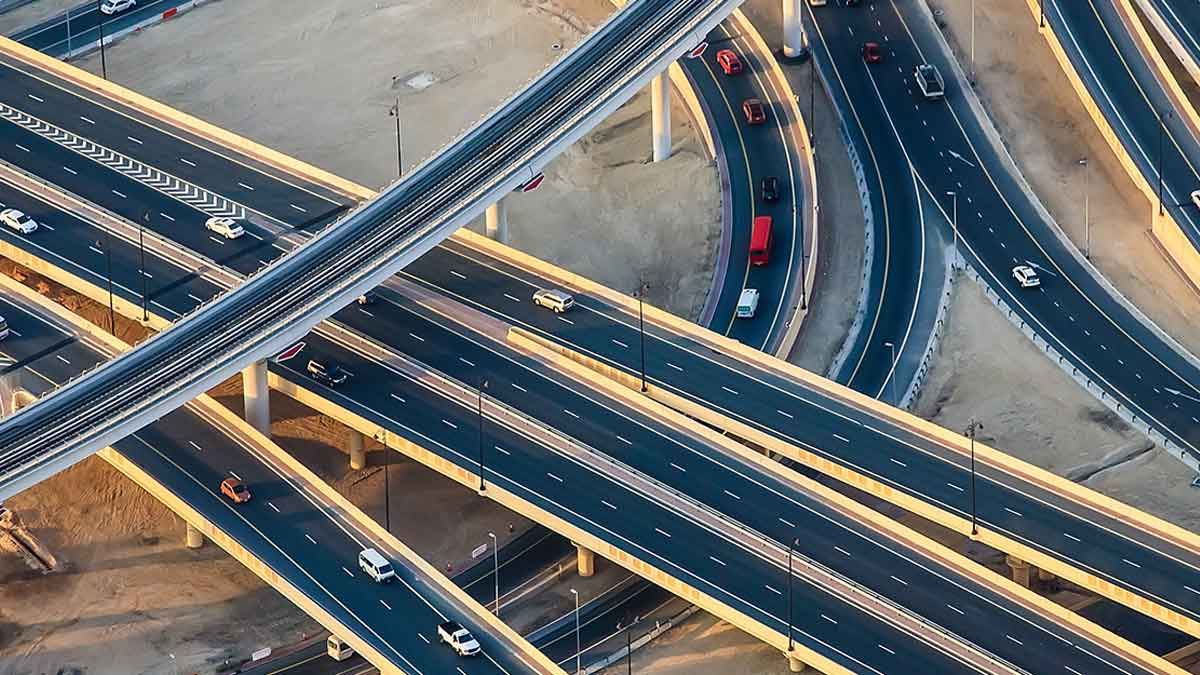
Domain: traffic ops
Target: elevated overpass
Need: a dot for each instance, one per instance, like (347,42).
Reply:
(181,460)
(490,267)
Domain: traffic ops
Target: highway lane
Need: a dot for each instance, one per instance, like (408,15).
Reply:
(723,483)
(1182,19)
(190,456)
(58,35)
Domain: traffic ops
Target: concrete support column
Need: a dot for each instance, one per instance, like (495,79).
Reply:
(585,560)
(257,396)
(660,112)
(795,665)
(1020,570)
(358,456)
(495,222)
(794,41)
(194,538)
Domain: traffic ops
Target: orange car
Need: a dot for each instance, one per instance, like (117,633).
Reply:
(235,490)
(754,110)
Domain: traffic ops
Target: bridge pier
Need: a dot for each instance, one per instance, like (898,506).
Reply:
(495,221)
(257,396)
(585,561)
(194,537)
(660,113)
(795,43)
(1020,570)
(795,665)
(358,455)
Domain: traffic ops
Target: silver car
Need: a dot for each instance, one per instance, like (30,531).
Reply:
(555,300)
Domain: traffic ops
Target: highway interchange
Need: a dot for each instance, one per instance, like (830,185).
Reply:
(606,333)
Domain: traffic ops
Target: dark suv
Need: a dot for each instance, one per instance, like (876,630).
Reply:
(330,374)
(770,189)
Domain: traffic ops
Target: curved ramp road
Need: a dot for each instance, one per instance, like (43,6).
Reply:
(1179,23)
(307,542)
(294,294)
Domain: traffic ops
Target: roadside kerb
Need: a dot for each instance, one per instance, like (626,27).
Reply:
(1168,232)
(1150,10)
(625,387)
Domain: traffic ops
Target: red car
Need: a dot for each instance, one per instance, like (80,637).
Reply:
(235,490)
(754,110)
(871,52)
(729,62)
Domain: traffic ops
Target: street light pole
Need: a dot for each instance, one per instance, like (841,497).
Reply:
(387,488)
(68,34)
(972,427)
(1161,132)
(142,266)
(578,670)
(892,375)
(394,111)
(642,286)
(103,63)
(1087,221)
(112,315)
(792,544)
(972,41)
(482,385)
(954,222)
(1042,13)
(496,570)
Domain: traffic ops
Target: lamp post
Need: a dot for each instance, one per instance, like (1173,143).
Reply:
(642,288)
(68,34)
(791,545)
(112,316)
(954,221)
(496,570)
(1161,132)
(387,488)
(1087,221)
(1042,13)
(972,41)
(103,63)
(482,385)
(394,111)
(892,375)
(629,646)
(578,670)
(142,266)
(972,427)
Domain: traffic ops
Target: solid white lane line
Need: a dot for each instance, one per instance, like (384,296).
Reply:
(1192,590)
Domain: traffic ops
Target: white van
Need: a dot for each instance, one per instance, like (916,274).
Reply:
(338,650)
(747,303)
(376,566)
(3,328)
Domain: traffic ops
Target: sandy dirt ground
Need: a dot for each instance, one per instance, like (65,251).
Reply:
(34,12)
(604,211)
(705,645)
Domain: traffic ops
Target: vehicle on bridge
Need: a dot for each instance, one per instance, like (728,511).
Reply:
(337,649)
(459,638)
(754,110)
(729,62)
(226,227)
(555,300)
(747,303)
(760,241)
(871,52)
(375,566)
(110,7)
(1026,276)
(3,328)
(770,189)
(235,490)
(17,220)
(1196,198)
(933,87)
(327,374)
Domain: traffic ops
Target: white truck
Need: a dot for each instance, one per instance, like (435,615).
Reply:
(459,638)
(930,81)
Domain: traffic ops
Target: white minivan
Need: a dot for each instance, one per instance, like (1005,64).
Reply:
(338,650)
(376,566)
(747,303)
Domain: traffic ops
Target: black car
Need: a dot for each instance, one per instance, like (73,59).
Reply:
(327,374)
(770,189)
(367,298)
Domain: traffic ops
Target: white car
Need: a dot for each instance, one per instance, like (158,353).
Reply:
(111,7)
(747,303)
(1026,276)
(1196,198)
(555,300)
(226,227)
(18,221)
